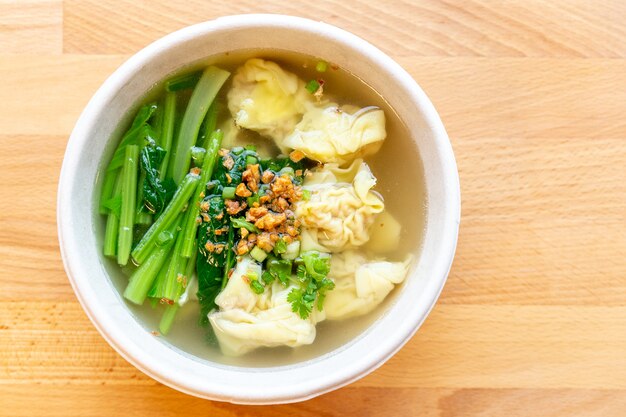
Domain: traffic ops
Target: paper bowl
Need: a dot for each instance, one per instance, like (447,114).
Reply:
(77,211)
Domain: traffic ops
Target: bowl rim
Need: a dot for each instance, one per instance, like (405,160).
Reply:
(361,366)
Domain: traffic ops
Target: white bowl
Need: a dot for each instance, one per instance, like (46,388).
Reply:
(77,211)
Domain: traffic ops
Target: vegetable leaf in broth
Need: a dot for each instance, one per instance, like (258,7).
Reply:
(156,193)
(212,255)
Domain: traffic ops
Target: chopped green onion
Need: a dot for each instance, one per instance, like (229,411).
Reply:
(257,287)
(306,195)
(228,193)
(237,150)
(321,66)
(267,277)
(250,148)
(312,86)
(258,254)
(254,198)
(251,160)
(240,222)
(287,170)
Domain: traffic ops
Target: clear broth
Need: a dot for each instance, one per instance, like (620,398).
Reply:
(398,168)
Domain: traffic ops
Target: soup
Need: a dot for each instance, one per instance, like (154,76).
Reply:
(261,209)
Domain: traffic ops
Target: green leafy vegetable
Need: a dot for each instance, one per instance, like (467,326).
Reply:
(213,266)
(208,165)
(127,212)
(157,193)
(203,95)
(210,264)
(179,201)
(183,82)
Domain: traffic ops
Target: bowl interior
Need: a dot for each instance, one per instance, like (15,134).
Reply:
(90,143)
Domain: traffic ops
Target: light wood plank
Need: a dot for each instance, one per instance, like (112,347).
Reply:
(29,251)
(491,28)
(460,346)
(47,93)
(51,400)
(525,98)
(31,26)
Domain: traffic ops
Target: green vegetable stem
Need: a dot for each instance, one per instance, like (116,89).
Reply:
(176,205)
(127,214)
(191,225)
(203,95)
(142,279)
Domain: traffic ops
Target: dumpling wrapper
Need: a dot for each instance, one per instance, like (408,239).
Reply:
(267,99)
(384,234)
(360,284)
(338,215)
(329,133)
(247,321)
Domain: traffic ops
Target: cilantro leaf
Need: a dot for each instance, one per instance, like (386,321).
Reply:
(300,303)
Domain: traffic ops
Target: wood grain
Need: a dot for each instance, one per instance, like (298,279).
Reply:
(532,320)
(430,28)
(31,26)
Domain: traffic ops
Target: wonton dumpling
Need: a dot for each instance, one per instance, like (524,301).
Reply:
(267,99)
(360,284)
(247,321)
(328,133)
(338,215)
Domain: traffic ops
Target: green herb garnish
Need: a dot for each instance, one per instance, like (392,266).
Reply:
(312,86)
(240,222)
(311,273)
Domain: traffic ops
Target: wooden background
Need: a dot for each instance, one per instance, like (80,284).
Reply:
(532,321)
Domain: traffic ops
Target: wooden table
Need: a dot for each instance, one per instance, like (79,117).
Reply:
(532,321)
